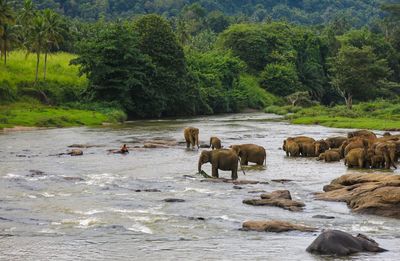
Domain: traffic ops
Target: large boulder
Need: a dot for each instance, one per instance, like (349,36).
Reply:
(274,226)
(339,243)
(377,194)
(279,198)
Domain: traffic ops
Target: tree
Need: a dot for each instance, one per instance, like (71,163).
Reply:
(6,14)
(356,72)
(54,30)
(37,40)
(298,97)
(118,71)
(7,39)
(7,19)
(25,18)
(157,40)
(280,79)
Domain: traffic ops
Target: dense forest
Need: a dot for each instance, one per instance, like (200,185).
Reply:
(167,58)
(357,12)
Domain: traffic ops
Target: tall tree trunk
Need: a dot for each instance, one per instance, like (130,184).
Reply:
(37,66)
(45,66)
(5,56)
(349,101)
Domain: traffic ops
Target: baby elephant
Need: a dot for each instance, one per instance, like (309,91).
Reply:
(339,243)
(191,137)
(220,159)
(250,153)
(215,143)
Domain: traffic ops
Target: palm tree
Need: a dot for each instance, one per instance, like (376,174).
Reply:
(36,40)
(6,18)
(6,14)
(25,17)
(7,39)
(53,34)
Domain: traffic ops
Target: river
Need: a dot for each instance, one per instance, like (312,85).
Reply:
(89,207)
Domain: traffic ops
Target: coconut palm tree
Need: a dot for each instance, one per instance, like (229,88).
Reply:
(53,34)
(37,39)
(7,39)
(6,18)
(6,14)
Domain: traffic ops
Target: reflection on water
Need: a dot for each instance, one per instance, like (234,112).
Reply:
(105,206)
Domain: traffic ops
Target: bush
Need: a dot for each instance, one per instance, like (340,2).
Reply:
(8,93)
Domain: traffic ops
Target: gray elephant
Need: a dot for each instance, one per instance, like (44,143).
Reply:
(222,159)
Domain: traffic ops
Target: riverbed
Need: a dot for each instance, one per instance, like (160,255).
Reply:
(102,206)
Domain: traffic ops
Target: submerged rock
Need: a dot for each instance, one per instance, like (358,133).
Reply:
(279,198)
(147,190)
(36,173)
(377,194)
(75,152)
(237,187)
(275,226)
(323,217)
(172,200)
(84,146)
(339,243)
(235,182)
(281,180)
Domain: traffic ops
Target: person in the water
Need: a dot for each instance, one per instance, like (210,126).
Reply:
(124,149)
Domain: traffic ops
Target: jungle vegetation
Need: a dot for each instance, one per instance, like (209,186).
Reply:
(171,58)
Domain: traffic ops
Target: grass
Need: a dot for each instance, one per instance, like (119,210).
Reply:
(21,68)
(377,115)
(35,114)
(256,96)
(18,94)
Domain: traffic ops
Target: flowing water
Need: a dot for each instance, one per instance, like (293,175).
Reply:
(90,207)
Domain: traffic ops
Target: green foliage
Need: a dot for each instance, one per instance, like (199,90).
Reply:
(280,79)
(357,72)
(172,95)
(35,114)
(117,71)
(377,115)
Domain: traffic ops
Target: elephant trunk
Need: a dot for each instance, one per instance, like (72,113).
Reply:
(197,140)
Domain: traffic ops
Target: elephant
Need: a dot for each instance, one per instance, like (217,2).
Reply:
(345,143)
(300,139)
(388,151)
(359,143)
(215,143)
(321,156)
(250,153)
(291,148)
(362,133)
(307,149)
(191,136)
(320,147)
(335,142)
(377,161)
(357,157)
(339,243)
(222,159)
(331,155)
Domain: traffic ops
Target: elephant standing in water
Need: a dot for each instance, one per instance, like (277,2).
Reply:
(222,159)
(250,153)
(192,137)
(215,143)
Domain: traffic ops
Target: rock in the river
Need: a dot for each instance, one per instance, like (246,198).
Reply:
(281,180)
(275,226)
(285,194)
(36,173)
(235,182)
(339,243)
(172,200)
(237,187)
(75,152)
(377,194)
(159,143)
(323,217)
(279,198)
(84,146)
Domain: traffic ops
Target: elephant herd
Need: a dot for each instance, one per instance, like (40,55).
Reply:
(361,149)
(225,159)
